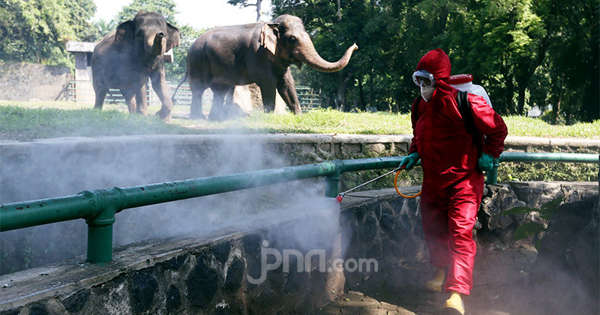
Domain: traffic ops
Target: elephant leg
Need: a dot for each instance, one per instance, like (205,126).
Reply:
(267,91)
(159,84)
(230,109)
(140,98)
(196,107)
(129,99)
(217,111)
(287,90)
(100,95)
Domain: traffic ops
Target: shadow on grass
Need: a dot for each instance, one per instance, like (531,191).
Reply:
(18,123)
(25,124)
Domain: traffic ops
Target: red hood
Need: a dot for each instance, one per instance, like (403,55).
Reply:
(437,63)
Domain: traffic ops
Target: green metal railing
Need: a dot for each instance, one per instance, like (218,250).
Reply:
(99,207)
(492,177)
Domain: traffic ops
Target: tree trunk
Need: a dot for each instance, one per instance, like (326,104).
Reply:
(361,90)
(340,99)
(521,101)
(397,101)
(371,88)
(556,110)
(258,7)
(510,86)
(442,20)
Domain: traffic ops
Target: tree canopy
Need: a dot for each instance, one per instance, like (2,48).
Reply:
(164,7)
(525,53)
(246,3)
(36,30)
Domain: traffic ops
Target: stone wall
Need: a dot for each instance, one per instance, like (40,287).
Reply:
(33,82)
(199,276)
(184,276)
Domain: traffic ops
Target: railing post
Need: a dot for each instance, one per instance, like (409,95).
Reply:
(333,184)
(100,230)
(492,176)
(100,227)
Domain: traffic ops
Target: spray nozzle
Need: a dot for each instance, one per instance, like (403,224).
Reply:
(339,198)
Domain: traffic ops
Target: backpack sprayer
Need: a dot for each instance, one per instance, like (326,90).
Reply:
(397,170)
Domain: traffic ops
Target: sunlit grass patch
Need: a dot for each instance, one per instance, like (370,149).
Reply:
(19,123)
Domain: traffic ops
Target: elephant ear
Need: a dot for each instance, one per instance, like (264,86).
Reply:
(172,37)
(125,31)
(268,37)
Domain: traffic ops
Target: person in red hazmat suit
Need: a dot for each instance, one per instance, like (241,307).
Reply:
(453,160)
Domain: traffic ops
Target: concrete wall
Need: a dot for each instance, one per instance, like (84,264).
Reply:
(33,82)
(210,276)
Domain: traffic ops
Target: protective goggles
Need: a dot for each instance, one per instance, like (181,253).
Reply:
(423,78)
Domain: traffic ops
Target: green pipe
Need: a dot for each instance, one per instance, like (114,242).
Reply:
(548,157)
(30,213)
(99,207)
(158,193)
(369,164)
(492,177)
(89,204)
(100,231)
(332,188)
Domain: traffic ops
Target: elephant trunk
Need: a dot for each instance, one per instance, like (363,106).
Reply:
(311,57)
(158,44)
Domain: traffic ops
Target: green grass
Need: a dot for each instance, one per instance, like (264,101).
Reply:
(21,123)
(332,121)
(32,120)
(524,126)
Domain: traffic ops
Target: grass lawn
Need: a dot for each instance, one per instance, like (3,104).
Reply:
(33,120)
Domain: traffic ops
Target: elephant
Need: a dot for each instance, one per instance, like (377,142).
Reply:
(126,58)
(260,53)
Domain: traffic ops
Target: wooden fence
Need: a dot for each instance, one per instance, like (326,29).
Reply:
(309,98)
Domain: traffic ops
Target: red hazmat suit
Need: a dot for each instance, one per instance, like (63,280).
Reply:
(452,184)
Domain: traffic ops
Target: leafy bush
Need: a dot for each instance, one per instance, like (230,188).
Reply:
(533,227)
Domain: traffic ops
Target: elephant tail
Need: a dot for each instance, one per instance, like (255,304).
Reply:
(177,88)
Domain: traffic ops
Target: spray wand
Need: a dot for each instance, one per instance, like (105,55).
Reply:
(397,170)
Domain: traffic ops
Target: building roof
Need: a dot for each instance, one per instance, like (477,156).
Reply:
(74,46)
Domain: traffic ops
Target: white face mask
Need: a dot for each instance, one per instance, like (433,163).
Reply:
(427,92)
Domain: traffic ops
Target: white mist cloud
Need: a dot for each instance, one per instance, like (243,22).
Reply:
(55,168)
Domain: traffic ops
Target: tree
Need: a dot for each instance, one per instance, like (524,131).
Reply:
(164,7)
(378,76)
(245,3)
(525,53)
(102,28)
(37,30)
(176,70)
(573,58)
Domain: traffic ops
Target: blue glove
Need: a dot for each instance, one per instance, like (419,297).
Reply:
(486,162)
(409,161)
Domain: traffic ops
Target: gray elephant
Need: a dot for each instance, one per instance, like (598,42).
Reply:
(258,53)
(125,59)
